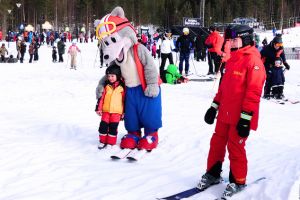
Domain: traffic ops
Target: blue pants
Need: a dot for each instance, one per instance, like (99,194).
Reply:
(184,56)
(142,111)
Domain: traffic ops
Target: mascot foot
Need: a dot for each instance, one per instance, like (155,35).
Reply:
(130,140)
(148,142)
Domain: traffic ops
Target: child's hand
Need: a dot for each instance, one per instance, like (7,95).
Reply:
(99,112)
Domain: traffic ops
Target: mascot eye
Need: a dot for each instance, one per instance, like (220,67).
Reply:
(113,40)
(106,43)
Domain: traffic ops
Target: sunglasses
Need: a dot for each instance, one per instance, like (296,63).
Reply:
(278,44)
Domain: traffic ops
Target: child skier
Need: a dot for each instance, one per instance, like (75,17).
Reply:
(277,79)
(111,106)
(54,54)
(73,49)
(2,52)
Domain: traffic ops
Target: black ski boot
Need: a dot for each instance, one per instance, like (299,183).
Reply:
(231,189)
(208,180)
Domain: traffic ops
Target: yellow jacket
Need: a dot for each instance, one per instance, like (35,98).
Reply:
(113,99)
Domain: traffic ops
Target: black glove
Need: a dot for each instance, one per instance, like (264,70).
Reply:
(287,66)
(176,50)
(243,126)
(98,101)
(211,113)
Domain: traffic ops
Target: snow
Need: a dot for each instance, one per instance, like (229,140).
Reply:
(48,138)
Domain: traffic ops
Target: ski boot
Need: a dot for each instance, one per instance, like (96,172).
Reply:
(148,142)
(208,180)
(232,188)
(130,140)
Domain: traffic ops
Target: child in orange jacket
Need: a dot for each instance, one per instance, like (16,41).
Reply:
(110,106)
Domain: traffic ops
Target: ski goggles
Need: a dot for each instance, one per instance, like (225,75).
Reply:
(278,44)
(232,34)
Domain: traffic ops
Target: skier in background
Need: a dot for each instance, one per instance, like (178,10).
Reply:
(214,44)
(268,55)
(73,49)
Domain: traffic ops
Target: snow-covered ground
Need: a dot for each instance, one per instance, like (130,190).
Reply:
(48,138)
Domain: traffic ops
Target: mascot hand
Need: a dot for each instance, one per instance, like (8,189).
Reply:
(152,90)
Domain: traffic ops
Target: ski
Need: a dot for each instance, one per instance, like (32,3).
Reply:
(202,79)
(247,186)
(136,154)
(121,154)
(188,193)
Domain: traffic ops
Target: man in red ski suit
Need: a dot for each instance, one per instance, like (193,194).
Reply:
(237,103)
(214,43)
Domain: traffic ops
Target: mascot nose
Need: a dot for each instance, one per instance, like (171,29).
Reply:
(106,57)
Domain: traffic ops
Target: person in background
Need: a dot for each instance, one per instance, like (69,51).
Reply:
(268,55)
(166,45)
(184,44)
(110,106)
(22,50)
(2,52)
(61,50)
(237,103)
(54,54)
(277,79)
(214,43)
(172,76)
(31,51)
(73,49)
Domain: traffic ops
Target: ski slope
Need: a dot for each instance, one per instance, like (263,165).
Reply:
(48,138)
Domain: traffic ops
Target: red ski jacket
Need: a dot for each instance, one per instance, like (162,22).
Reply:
(215,42)
(241,86)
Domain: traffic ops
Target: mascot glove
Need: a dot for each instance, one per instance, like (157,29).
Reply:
(152,90)
(211,113)
(243,126)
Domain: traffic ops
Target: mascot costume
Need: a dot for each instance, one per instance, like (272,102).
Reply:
(143,94)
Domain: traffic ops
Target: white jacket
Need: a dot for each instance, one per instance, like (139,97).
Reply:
(166,46)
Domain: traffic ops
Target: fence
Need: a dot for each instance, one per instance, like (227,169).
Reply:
(292,53)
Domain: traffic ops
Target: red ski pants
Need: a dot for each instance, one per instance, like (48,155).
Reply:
(227,135)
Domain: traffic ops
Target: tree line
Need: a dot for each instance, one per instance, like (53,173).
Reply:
(165,13)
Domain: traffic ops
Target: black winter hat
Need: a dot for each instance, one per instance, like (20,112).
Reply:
(245,32)
(212,28)
(114,69)
(277,39)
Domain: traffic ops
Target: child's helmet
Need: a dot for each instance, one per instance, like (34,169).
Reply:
(114,69)
(278,60)
(245,32)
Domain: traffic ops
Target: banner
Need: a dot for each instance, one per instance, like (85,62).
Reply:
(192,21)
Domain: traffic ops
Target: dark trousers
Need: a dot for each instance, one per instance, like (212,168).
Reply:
(2,58)
(184,56)
(277,91)
(22,57)
(61,59)
(36,56)
(164,57)
(30,59)
(268,84)
(214,62)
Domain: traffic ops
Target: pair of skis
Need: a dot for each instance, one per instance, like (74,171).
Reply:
(129,154)
(284,101)
(193,191)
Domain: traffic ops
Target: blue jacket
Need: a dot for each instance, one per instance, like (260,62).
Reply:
(277,76)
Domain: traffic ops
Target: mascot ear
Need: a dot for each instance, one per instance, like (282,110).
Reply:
(118,11)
